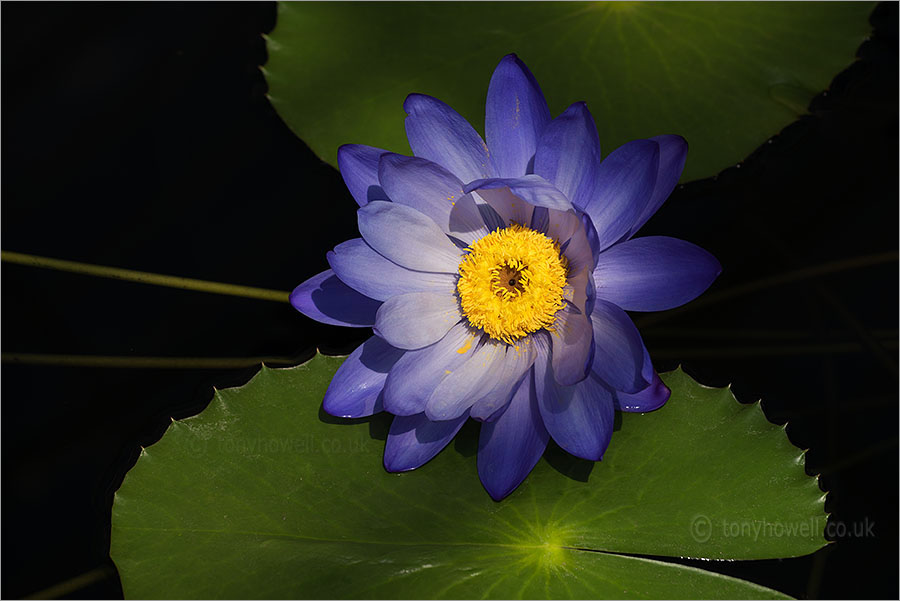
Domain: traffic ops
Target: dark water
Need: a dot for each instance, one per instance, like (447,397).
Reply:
(138,135)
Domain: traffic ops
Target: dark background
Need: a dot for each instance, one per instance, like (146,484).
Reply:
(139,135)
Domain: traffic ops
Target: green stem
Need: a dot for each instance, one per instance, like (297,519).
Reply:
(144,362)
(72,585)
(144,277)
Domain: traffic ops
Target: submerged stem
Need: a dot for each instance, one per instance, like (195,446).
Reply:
(144,277)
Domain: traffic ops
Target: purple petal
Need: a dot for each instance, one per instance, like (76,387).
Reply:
(463,386)
(672,155)
(654,273)
(438,133)
(364,270)
(325,298)
(572,339)
(359,168)
(414,440)
(417,373)
(466,221)
(533,189)
(505,380)
(569,229)
(417,319)
(624,182)
(619,350)
(355,389)
(580,417)
(418,183)
(515,115)
(510,447)
(502,208)
(650,398)
(568,154)
(407,237)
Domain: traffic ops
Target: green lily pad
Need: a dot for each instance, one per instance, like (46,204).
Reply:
(263,496)
(725,75)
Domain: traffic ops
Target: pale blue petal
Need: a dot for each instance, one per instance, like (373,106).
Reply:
(407,237)
(416,319)
(364,270)
(417,373)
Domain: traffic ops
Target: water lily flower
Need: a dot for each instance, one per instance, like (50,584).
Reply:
(496,274)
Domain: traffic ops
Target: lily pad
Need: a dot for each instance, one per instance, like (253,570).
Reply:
(725,75)
(264,496)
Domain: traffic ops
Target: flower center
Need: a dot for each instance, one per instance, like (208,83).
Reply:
(511,283)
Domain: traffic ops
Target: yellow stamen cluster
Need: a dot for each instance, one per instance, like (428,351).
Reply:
(511,283)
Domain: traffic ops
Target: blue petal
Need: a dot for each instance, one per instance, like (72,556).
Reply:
(407,237)
(650,398)
(418,183)
(624,182)
(413,440)
(568,154)
(359,168)
(415,376)
(510,447)
(438,133)
(325,298)
(672,155)
(355,389)
(580,417)
(533,189)
(504,381)
(466,220)
(593,239)
(515,115)
(501,207)
(364,270)
(654,273)
(572,339)
(619,350)
(456,393)
(417,319)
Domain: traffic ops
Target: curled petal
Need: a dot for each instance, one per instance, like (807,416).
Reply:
(500,207)
(355,390)
(650,398)
(327,299)
(466,220)
(533,189)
